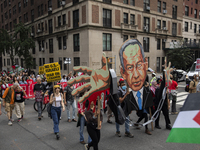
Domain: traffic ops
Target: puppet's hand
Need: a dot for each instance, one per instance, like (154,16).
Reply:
(97,81)
(167,72)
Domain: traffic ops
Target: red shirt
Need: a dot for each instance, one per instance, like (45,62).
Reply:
(29,81)
(173,85)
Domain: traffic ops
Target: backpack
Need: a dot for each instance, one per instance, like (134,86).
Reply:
(187,86)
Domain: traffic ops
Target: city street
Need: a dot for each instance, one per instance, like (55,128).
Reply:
(31,134)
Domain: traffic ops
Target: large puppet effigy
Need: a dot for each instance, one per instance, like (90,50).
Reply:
(133,69)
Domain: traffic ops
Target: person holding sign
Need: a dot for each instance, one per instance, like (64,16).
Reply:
(56,100)
(92,126)
(39,90)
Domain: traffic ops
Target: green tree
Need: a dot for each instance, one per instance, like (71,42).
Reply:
(7,45)
(23,44)
(181,58)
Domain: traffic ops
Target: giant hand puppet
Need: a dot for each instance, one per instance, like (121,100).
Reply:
(133,69)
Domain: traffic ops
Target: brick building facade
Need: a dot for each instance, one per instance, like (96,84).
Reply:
(82,30)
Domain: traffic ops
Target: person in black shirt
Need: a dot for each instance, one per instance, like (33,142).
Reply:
(39,90)
(19,103)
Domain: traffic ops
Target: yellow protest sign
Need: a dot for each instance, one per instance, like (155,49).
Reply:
(41,70)
(52,72)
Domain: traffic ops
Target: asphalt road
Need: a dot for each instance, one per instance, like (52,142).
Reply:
(31,134)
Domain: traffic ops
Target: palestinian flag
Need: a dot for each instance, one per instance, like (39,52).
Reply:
(186,128)
(15,66)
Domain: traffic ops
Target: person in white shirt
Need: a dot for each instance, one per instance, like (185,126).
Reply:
(63,79)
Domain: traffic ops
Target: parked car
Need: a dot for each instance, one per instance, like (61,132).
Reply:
(181,74)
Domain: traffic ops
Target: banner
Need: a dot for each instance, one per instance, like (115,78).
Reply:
(197,68)
(41,70)
(52,72)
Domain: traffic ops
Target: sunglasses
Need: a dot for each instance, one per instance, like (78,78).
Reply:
(57,88)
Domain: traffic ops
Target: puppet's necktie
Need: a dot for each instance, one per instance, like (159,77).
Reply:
(139,100)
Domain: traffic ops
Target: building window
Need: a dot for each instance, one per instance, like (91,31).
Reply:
(164,6)
(126,18)
(190,25)
(10,26)
(107,18)
(51,60)
(158,64)
(50,26)
(43,60)
(59,43)
(195,13)
(1,7)
(10,13)
(64,19)
(65,65)
(158,44)
(107,42)
(196,1)
(76,42)
(32,2)
(8,62)
(195,28)
(19,7)
(174,29)
(159,24)
(4,62)
(75,18)
(199,30)
(159,6)
(50,45)
(40,61)
(199,14)
(125,37)
(186,26)
(186,10)
(38,11)
(132,2)
(32,15)
(146,24)
(146,5)
(76,61)
(60,62)
(132,19)
(164,25)
(59,21)
(16,61)
(40,45)
(163,44)
(174,12)
(20,19)
(41,9)
(191,10)
(107,1)
(125,1)
(34,61)
(33,50)
(75,2)
(146,44)
(64,43)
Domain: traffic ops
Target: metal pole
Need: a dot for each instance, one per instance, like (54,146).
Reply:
(115,64)
(68,68)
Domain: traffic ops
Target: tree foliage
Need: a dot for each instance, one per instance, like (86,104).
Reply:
(19,45)
(181,58)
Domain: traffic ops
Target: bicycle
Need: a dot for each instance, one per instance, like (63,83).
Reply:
(43,105)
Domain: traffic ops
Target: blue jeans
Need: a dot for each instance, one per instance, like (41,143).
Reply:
(126,126)
(39,106)
(55,113)
(82,124)
(73,108)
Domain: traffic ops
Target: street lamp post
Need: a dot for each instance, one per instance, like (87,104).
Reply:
(67,61)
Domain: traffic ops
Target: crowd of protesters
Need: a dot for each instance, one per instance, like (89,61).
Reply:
(12,98)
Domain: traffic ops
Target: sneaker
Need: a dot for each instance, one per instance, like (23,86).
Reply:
(118,134)
(39,118)
(82,142)
(60,118)
(57,136)
(68,120)
(158,127)
(137,126)
(86,147)
(168,127)
(128,134)
(19,119)
(10,123)
(12,120)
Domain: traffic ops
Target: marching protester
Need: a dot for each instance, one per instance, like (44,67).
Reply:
(4,86)
(122,93)
(19,103)
(8,101)
(153,78)
(15,80)
(63,79)
(56,100)
(69,100)
(92,127)
(82,119)
(39,90)
(173,95)
(23,81)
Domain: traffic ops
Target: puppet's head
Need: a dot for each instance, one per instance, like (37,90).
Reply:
(133,64)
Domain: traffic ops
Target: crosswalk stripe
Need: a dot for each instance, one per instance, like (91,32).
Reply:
(181,98)
(182,93)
